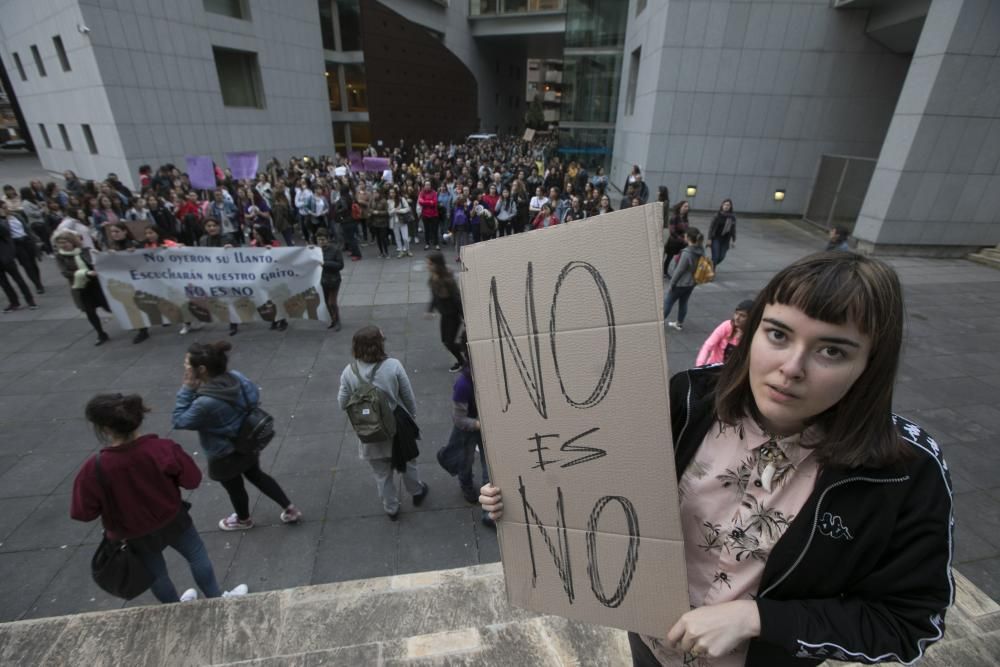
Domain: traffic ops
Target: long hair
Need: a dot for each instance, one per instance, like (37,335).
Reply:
(836,288)
(368,345)
(442,281)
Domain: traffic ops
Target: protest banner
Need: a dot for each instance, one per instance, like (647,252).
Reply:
(227,285)
(243,165)
(357,161)
(569,355)
(376,164)
(201,171)
(529,135)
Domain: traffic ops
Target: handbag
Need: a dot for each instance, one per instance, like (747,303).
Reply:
(451,457)
(404,442)
(115,566)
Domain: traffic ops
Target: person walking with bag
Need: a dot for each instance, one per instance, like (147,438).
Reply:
(722,232)
(682,278)
(214,402)
(134,485)
(333,264)
(374,387)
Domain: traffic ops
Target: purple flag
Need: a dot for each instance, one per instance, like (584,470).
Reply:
(357,163)
(201,171)
(378,164)
(243,165)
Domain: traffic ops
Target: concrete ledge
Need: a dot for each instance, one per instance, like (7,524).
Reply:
(448,617)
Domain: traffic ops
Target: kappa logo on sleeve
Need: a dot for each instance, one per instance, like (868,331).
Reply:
(833,527)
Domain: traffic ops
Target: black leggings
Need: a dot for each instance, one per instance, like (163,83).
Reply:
(26,258)
(450,324)
(431,232)
(238,493)
(382,238)
(330,293)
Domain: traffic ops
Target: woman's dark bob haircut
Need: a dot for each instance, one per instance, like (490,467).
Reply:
(835,287)
(368,345)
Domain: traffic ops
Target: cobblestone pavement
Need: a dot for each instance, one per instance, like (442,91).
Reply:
(49,369)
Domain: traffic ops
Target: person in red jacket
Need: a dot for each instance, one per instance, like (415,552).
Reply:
(427,205)
(133,484)
(545,218)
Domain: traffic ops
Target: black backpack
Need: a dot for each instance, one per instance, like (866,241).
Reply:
(257,429)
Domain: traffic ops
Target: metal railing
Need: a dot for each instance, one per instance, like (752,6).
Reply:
(509,7)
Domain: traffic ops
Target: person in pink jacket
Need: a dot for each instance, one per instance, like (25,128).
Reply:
(726,336)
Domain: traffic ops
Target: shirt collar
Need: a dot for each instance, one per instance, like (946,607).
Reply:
(754,437)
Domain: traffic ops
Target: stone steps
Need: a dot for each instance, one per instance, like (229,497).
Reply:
(450,617)
(987,257)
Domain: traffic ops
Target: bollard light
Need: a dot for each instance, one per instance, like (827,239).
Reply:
(779,195)
(692,190)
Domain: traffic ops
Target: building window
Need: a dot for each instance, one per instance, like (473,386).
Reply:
(236,9)
(89,136)
(45,136)
(639,6)
(349,14)
(61,52)
(333,87)
(633,81)
(239,78)
(20,67)
(340,137)
(357,88)
(65,137)
(38,60)
(361,135)
(326,25)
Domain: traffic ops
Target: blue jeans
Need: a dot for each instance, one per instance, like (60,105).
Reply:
(720,246)
(680,296)
(466,478)
(189,545)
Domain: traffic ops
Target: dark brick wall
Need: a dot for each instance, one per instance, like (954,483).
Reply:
(417,88)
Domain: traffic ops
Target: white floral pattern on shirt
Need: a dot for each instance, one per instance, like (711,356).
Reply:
(731,522)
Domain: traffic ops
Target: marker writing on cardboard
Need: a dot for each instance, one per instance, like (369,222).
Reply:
(530,373)
(560,551)
(532,378)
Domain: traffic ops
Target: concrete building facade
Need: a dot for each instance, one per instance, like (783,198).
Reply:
(755,100)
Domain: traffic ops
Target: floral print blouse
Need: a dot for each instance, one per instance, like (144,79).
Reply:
(737,497)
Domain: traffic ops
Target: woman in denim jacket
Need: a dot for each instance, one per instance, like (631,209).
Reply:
(214,402)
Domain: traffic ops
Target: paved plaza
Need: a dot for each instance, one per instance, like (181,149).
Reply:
(49,368)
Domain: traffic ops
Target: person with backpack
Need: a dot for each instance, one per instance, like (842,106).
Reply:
(134,485)
(722,232)
(682,277)
(216,402)
(372,387)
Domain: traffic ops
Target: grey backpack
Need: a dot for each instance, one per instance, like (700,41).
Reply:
(368,409)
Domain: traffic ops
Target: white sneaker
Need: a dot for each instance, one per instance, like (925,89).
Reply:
(236,592)
(189,595)
(184,330)
(676,325)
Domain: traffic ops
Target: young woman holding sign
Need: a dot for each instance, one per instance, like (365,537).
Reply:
(816,523)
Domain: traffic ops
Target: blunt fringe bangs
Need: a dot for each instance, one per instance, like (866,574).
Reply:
(834,287)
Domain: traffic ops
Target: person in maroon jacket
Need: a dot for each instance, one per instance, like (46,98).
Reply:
(138,498)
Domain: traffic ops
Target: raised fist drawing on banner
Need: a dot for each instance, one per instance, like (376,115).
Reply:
(149,304)
(199,309)
(124,294)
(268,312)
(308,301)
(245,309)
(218,308)
(171,311)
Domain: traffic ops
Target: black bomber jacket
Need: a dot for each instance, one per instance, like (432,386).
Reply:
(863,572)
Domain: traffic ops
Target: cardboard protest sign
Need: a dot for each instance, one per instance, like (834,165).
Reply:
(569,357)
(529,134)
(201,171)
(376,163)
(243,165)
(227,285)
